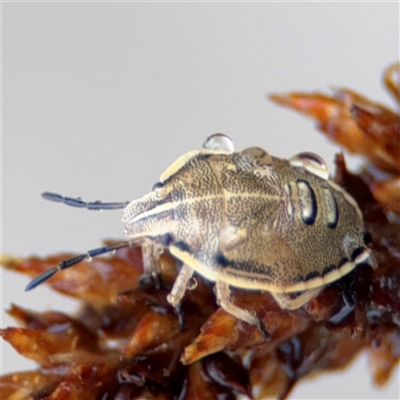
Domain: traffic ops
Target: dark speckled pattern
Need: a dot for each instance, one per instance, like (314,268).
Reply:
(263,226)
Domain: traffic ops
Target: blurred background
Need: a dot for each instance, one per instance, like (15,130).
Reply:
(99,98)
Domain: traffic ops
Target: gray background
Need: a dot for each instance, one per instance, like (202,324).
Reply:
(99,98)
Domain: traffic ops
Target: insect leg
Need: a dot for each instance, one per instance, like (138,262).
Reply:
(346,288)
(178,291)
(151,262)
(224,300)
(286,302)
(78,202)
(73,261)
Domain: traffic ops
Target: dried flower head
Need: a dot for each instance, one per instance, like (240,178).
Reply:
(125,342)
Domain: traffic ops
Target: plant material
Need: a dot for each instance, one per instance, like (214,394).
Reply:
(125,341)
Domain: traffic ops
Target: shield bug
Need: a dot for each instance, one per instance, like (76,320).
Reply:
(244,219)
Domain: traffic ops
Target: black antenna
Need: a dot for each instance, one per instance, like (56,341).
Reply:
(78,202)
(73,261)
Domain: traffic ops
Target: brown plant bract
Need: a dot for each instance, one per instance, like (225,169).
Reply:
(125,342)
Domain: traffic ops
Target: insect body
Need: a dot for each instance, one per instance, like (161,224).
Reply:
(245,219)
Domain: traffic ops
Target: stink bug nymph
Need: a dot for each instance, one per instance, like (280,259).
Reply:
(245,219)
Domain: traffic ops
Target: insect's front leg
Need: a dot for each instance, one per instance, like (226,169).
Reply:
(178,291)
(151,262)
(224,300)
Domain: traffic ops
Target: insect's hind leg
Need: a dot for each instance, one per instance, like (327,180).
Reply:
(73,261)
(288,301)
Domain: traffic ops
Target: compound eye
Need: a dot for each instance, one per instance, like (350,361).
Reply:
(312,163)
(258,156)
(219,141)
(157,185)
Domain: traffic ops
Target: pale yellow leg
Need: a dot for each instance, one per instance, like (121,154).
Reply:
(151,258)
(180,285)
(287,303)
(224,300)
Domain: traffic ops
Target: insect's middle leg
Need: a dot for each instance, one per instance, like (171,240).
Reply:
(178,291)
(224,300)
